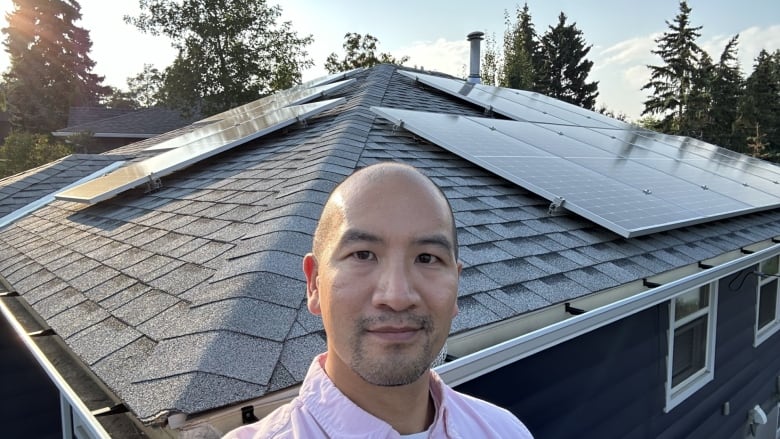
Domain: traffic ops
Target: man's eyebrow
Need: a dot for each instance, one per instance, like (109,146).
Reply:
(437,240)
(355,235)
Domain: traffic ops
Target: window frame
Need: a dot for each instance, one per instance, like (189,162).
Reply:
(764,333)
(690,385)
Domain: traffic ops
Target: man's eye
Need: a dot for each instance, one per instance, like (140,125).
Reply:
(363,255)
(427,258)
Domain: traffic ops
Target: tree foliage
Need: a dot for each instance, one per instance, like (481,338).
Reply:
(50,65)
(360,51)
(694,96)
(230,52)
(522,53)
(672,82)
(554,64)
(759,118)
(144,88)
(23,150)
(726,91)
(565,67)
(491,62)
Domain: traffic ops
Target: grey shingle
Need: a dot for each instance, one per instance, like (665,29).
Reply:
(101,339)
(252,359)
(556,288)
(471,314)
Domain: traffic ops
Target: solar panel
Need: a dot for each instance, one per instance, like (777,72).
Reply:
(151,169)
(238,115)
(629,189)
(518,104)
(292,96)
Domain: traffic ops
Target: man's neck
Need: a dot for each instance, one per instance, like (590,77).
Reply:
(408,408)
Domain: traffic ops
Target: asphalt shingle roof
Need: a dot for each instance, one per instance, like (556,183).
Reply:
(191,298)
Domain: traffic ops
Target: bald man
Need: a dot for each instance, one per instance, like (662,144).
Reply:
(383,274)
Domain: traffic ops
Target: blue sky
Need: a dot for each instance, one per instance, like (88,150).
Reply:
(433,34)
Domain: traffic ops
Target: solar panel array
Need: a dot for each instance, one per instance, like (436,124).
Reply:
(151,169)
(216,134)
(630,181)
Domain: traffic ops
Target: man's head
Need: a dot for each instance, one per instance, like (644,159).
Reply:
(384,274)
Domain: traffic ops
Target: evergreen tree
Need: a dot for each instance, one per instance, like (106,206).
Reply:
(672,82)
(522,56)
(360,52)
(726,92)
(50,65)
(230,52)
(760,107)
(565,72)
(697,120)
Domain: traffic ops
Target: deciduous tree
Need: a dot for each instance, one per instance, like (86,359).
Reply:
(360,51)
(230,52)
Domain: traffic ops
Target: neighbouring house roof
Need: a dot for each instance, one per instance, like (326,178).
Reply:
(140,124)
(191,298)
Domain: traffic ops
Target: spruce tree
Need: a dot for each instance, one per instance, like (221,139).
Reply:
(671,83)
(726,92)
(565,68)
(50,65)
(760,108)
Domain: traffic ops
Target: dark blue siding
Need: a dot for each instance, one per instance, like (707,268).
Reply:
(609,383)
(29,402)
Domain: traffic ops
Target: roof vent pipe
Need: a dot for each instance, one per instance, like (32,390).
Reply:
(474,38)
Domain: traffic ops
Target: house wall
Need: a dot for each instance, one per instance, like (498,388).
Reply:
(609,383)
(29,401)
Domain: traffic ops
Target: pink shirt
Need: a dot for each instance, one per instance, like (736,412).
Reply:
(322,411)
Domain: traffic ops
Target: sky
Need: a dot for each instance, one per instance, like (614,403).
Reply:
(433,34)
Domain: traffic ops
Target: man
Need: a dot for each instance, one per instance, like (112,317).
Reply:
(384,277)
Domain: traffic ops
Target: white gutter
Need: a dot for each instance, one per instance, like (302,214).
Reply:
(487,360)
(91,424)
(46,199)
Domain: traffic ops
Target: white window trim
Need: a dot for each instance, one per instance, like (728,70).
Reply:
(771,328)
(777,433)
(678,394)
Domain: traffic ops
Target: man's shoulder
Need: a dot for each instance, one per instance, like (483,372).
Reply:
(495,419)
(277,424)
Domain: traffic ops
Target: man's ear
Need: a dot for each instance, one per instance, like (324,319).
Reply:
(310,269)
(455,309)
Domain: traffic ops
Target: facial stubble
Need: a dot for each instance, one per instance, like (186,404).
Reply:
(397,364)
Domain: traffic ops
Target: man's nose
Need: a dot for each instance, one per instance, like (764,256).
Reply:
(395,288)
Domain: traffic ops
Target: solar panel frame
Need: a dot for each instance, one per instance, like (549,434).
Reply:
(136,174)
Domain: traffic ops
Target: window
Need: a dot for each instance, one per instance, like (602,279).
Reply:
(691,354)
(767,303)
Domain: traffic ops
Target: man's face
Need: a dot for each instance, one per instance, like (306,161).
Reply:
(386,279)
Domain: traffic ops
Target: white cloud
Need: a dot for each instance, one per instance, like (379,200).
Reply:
(441,55)
(631,51)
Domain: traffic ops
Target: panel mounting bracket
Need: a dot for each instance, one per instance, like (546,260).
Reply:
(153,183)
(556,206)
